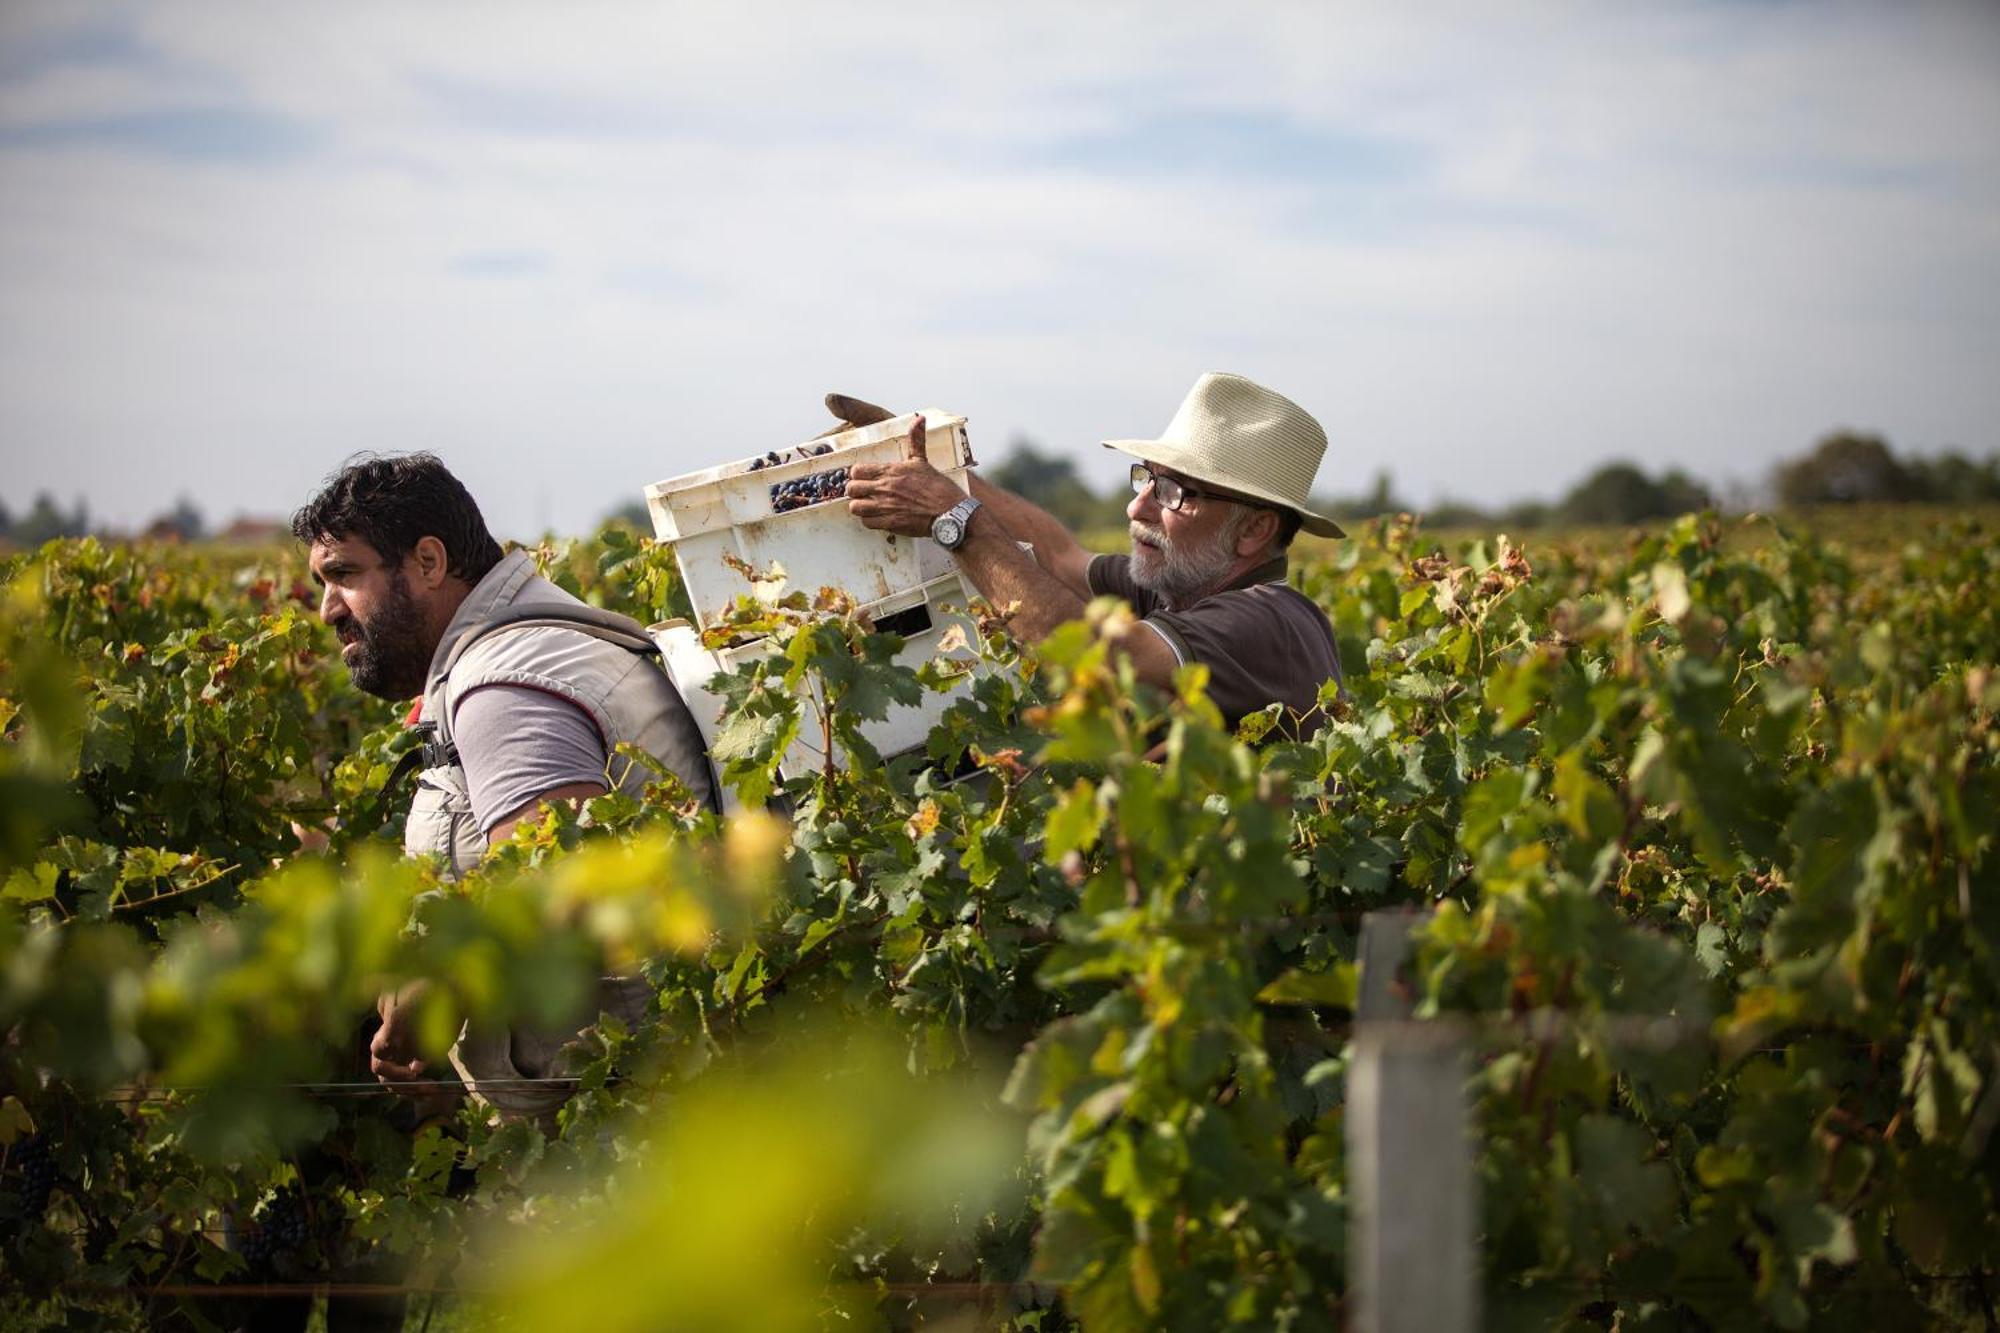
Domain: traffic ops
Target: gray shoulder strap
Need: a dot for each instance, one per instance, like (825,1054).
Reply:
(595,621)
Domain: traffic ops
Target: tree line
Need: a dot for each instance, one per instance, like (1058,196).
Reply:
(1844,467)
(46,520)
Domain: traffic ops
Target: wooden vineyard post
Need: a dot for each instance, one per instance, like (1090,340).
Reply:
(1413,1264)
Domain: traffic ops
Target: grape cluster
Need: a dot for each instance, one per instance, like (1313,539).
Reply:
(809,490)
(37,1165)
(774,458)
(280,1228)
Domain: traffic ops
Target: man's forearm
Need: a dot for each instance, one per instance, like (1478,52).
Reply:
(1045,589)
(1028,521)
(1055,548)
(1007,576)
(1036,592)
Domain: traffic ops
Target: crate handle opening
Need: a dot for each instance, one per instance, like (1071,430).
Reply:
(908,622)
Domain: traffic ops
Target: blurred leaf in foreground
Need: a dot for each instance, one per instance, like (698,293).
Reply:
(748,1179)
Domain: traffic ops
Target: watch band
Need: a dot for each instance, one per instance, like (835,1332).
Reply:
(954,523)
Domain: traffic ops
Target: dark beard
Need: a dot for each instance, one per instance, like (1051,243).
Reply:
(394,658)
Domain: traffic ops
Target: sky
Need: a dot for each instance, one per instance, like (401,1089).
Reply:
(576,248)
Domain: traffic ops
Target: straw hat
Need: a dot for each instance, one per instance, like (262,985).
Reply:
(1237,434)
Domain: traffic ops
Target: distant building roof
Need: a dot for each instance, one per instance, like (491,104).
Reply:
(255,531)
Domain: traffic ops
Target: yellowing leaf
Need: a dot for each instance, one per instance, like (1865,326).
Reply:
(1074,823)
(1335,989)
(32,884)
(754,845)
(1670,593)
(923,822)
(954,639)
(14,1120)
(1145,1279)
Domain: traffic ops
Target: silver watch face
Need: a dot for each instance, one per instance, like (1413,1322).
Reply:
(948,531)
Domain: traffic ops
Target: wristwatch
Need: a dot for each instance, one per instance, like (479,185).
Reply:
(948,529)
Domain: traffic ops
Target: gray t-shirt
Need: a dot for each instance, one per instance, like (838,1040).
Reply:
(1262,640)
(516,742)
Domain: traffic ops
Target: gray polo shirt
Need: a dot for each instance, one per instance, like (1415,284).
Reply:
(516,742)
(1262,640)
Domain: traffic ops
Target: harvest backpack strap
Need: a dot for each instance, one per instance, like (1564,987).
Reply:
(609,626)
(414,758)
(595,621)
(612,628)
(437,750)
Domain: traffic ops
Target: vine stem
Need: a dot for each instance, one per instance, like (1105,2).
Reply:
(131,903)
(172,1267)
(1128,870)
(825,709)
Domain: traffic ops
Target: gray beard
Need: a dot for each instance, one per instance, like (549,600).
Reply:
(395,659)
(1177,573)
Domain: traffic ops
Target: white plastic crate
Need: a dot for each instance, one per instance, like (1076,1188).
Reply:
(727,512)
(919,614)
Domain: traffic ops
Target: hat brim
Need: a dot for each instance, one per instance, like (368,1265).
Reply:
(1170,455)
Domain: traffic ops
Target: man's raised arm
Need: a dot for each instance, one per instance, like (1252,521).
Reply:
(1043,591)
(1056,550)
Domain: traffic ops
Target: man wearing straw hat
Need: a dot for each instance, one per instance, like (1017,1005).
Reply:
(1217,499)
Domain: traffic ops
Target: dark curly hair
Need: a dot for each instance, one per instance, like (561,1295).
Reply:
(394,501)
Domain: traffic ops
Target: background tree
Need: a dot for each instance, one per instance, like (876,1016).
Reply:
(1051,482)
(1952,478)
(632,514)
(1449,513)
(1622,493)
(1845,468)
(1380,499)
(184,522)
(46,521)
(1525,514)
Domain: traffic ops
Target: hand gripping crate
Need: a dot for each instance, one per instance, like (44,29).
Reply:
(905,584)
(728,512)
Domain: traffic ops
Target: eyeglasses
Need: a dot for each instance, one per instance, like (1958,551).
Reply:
(1172,492)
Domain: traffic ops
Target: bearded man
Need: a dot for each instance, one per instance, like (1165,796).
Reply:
(1217,500)
(527,693)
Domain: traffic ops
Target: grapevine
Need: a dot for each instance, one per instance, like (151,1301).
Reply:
(35,1169)
(1703,817)
(279,1230)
